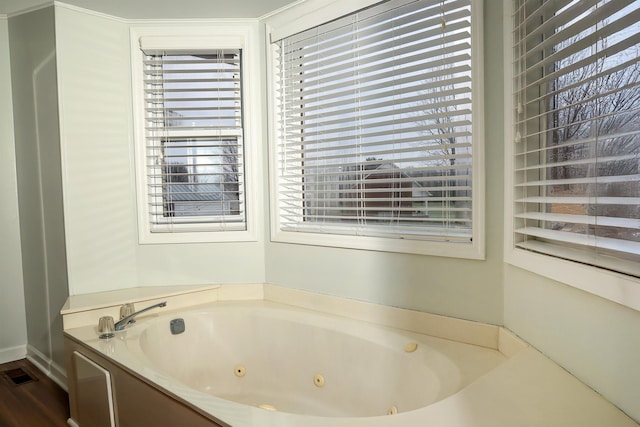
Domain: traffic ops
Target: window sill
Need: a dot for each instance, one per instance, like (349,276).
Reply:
(147,238)
(616,287)
(473,250)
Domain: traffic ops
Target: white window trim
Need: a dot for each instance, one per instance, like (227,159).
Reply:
(219,33)
(613,286)
(310,13)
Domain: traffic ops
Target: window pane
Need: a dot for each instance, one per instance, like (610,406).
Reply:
(194,138)
(376,125)
(577,80)
(201,178)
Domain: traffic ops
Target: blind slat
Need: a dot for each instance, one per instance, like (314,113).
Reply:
(582,219)
(583,239)
(580,181)
(418,128)
(582,200)
(444,99)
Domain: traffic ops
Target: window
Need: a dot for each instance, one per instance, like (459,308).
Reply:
(576,136)
(194,138)
(377,134)
(191,137)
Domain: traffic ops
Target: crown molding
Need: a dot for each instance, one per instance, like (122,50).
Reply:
(26,10)
(63,4)
(280,10)
(89,11)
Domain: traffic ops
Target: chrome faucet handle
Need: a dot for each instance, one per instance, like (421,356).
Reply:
(106,327)
(127,310)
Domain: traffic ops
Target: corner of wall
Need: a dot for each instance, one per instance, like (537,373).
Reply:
(12,303)
(50,368)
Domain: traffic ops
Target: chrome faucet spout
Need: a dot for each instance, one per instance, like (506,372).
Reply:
(122,323)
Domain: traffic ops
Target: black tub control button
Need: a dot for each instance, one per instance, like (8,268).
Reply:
(177,326)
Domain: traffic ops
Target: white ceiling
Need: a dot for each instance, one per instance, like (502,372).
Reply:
(160,9)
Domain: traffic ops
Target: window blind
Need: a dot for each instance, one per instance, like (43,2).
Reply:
(577,130)
(375,124)
(194,139)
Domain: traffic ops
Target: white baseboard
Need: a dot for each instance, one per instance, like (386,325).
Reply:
(47,366)
(12,354)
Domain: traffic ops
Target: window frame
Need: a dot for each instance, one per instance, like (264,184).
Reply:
(306,15)
(608,284)
(191,39)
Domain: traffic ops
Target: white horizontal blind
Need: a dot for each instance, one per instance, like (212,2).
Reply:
(577,130)
(194,130)
(374,123)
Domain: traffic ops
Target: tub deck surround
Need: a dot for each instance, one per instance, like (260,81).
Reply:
(517,386)
(86,309)
(450,328)
(82,310)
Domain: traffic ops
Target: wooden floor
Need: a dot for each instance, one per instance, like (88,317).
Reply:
(30,403)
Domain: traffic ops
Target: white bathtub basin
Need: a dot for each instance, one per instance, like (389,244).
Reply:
(279,358)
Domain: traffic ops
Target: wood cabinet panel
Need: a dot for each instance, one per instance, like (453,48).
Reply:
(135,401)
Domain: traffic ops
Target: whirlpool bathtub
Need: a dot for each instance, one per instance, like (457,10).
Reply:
(264,363)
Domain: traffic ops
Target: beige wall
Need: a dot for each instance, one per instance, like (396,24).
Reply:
(33,79)
(462,288)
(596,340)
(99,179)
(13,333)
